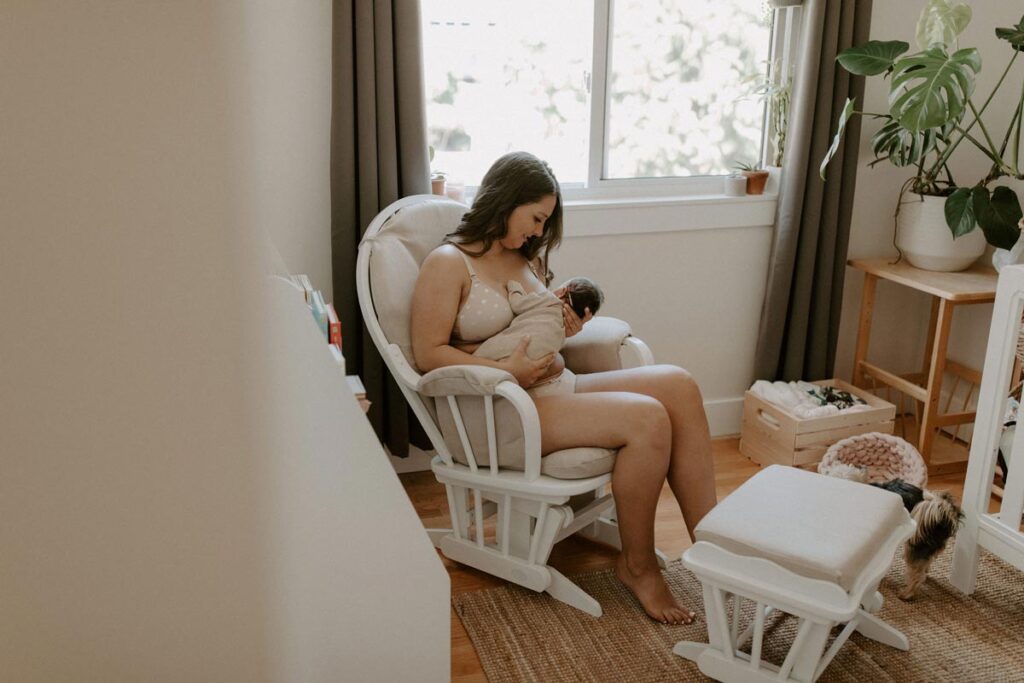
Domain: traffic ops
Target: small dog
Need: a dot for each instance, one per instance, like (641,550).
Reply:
(938,517)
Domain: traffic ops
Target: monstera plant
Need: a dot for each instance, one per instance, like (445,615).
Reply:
(933,111)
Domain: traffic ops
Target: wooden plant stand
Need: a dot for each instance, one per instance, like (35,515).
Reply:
(976,285)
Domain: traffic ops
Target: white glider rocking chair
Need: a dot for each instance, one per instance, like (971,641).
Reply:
(477,417)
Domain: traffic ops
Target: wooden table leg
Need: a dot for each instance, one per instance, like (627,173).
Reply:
(927,361)
(867,307)
(926,358)
(940,335)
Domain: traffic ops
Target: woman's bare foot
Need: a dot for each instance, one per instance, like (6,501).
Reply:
(645,581)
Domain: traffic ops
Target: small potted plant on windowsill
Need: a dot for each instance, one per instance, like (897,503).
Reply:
(756,177)
(774,89)
(930,114)
(438,180)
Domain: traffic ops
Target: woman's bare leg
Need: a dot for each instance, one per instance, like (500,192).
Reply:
(691,472)
(639,427)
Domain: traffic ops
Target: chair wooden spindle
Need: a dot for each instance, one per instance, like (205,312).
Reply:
(755,647)
(505,516)
(479,517)
(794,651)
(453,511)
(723,622)
(735,616)
(538,531)
(463,437)
(492,448)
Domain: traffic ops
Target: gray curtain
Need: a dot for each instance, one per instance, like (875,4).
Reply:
(800,319)
(378,155)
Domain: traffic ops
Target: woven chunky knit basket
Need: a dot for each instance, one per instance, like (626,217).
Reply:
(884,456)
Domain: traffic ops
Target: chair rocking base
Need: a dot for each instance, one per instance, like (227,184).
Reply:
(537,577)
(526,534)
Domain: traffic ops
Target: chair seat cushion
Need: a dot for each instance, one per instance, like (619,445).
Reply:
(815,526)
(578,463)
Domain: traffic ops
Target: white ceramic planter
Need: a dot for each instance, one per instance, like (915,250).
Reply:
(925,239)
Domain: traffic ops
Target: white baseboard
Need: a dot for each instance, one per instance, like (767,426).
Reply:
(418,460)
(725,415)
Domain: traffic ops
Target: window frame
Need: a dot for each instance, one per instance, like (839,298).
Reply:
(782,50)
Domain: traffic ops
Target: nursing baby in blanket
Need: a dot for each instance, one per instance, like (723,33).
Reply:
(539,315)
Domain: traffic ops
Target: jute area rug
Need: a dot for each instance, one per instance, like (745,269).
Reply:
(520,635)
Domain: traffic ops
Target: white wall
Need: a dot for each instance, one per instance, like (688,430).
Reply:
(901,316)
(187,493)
(694,294)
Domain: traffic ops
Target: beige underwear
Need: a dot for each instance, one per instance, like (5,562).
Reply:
(558,385)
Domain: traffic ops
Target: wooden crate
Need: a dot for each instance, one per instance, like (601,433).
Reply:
(770,435)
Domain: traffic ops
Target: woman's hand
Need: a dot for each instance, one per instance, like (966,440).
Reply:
(572,322)
(526,370)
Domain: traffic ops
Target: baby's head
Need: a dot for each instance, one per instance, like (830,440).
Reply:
(582,293)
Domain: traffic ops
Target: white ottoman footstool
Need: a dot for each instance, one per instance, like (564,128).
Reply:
(808,545)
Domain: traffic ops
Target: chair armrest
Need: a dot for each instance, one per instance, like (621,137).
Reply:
(598,346)
(463,380)
(464,423)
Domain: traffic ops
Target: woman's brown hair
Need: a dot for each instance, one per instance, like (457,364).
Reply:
(515,179)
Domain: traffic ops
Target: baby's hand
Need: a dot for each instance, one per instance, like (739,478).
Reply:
(572,322)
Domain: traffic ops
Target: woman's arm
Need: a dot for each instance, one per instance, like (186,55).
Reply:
(468,347)
(435,305)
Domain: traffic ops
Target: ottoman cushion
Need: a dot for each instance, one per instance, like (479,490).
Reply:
(815,526)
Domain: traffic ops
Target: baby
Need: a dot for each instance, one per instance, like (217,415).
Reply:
(540,316)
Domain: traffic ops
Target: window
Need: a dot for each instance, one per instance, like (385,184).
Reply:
(611,93)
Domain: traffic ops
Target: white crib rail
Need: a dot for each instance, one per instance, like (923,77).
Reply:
(999,533)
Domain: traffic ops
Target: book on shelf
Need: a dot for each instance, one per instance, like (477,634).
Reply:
(326,318)
(307,287)
(333,326)
(337,356)
(320,312)
(356,385)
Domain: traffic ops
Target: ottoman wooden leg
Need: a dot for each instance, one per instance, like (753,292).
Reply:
(870,626)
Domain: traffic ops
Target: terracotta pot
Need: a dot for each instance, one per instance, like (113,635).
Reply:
(437,185)
(756,180)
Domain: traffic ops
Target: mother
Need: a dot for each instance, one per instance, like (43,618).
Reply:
(654,415)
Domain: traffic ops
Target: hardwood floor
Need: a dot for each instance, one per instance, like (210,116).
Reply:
(576,555)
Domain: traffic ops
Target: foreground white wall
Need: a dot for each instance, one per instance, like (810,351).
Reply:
(286,82)
(187,492)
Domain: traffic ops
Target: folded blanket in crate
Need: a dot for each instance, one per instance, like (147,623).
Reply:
(806,400)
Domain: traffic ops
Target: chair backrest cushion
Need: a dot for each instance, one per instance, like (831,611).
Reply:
(399,248)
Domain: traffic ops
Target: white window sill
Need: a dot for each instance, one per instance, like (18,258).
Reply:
(618,216)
